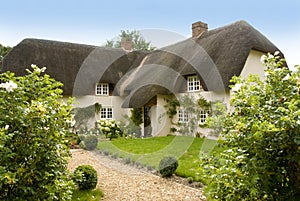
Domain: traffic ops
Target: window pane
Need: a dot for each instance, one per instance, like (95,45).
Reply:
(106,113)
(102,89)
(193,83)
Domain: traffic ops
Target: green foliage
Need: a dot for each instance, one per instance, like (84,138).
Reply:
(171,106)
(3,51)
(90,142)
(192,107)
(167,166)
(136,116)
(262,136)
(33,148)
(85,176)
(87,195)
(82,115)
(136,119)
(138,42)
(131,125)
(203,103)
(110,128)
(217,118)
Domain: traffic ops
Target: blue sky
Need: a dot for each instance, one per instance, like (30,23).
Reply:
(94,21)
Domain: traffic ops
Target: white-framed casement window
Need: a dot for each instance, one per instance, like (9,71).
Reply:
(102,89)
(106,113)
(203,115)
(193,83)
(183,116)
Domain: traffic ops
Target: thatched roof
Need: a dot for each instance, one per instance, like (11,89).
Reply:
(77,66)
(215,56)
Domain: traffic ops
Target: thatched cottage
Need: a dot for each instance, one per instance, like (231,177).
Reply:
(120,79)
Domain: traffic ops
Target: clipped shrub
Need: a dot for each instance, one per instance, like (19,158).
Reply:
(127,160)
(167,166)
(106,152)
(82,145)
(86,177)
(91,142)
(190,180)
(115,155)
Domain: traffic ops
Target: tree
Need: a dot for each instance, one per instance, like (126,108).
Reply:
(33,147)
(138,42)
(262,156)
(3,51)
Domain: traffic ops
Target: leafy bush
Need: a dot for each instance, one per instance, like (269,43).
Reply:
(128,160)
(110,128)
(167,166)
(262,161)
(33,147)
(85,176)
(91,142)
(82,145)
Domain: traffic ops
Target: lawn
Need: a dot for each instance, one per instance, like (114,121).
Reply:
(87,195)
(150,151)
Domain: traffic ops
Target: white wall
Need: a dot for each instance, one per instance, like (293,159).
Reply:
(253,65)
(161,123)
(106,101)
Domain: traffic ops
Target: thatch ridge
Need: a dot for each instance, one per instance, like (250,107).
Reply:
(64,61)
(216,56)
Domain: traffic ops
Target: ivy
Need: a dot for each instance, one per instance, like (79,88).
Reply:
(171,106)
(82,115)
(203,103)
(189,104)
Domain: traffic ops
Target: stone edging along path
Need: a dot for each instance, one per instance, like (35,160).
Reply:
(123,182)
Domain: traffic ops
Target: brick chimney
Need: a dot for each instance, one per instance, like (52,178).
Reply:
(126,44)
(198,28)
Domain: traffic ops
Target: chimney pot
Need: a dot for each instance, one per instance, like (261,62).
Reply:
(198,28)
(126,44)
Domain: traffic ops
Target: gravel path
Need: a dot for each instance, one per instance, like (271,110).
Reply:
(123,182)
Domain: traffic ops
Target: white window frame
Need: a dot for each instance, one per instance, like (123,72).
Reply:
(183,116)
(193,83)
(106,113)
(203,115)
(102,89)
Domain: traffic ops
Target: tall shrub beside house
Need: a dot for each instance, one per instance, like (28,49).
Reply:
(262,161)
(33,148)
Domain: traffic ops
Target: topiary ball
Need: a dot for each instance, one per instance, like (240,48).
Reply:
(167,166)
(91,142)
(86,177)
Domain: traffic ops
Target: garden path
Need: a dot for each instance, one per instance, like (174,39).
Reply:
(123,182)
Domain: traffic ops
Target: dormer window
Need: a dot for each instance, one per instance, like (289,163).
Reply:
(102,89)
(193,83)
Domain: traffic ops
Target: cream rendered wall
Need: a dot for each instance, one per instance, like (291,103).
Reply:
(106,101)
(253,65)
(161,123)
